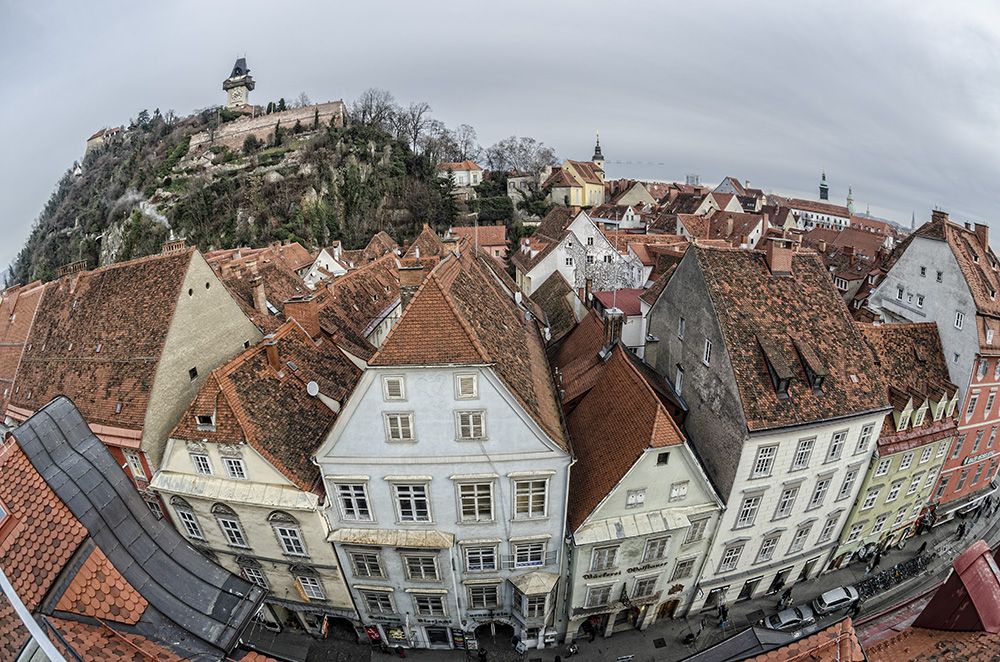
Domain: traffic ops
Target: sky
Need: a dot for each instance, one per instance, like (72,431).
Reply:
(899,100)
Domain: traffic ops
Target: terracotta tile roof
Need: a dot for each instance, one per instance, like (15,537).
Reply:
(489,235)
(428,242)
(926,645)
(555,224)
(865,244)
(685,203)
(17,312)
(97,643)
(98,590)
(124,310)
(722,199)
(587,171)
(458,165)
(653,292)
(45,533)
(556,296)
(271,412)
(293,255)
(869,225)
(814,207)
(626,301)
(280,283)
(359,299)
(560,178)
(837,643)
(618,419)
(977,261)
(622,240)
(758,310)
(665,259)
(13,633)
(577,358)
(609,212)
(732,225)
(695,224)
(464,313)
(735,183)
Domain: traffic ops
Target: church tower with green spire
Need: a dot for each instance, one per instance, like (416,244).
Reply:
(824,189)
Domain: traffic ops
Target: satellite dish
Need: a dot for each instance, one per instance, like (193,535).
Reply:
(312,388)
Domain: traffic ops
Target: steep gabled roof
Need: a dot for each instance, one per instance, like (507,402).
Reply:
(978,264)
(359,298)
(293,255)
(98,336)
(611,427)
(17,313)
(556,223)
(577,357)
(587,171)
(270,411)
(555,296)
(458,165)
(488,235)
(464,313)
(757,312)
(560,178)
(427,242)
(279,281)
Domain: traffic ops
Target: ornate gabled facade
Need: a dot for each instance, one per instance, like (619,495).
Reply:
(239,482)
(447,470)
(783,400)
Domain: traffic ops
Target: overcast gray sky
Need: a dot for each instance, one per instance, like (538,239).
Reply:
(899,99)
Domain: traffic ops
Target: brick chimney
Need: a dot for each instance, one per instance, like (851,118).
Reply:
(779,257)
(410,277)
(822,245)
(849,252)
(305,311)
(175,246)
(614,320)
(729,226)
(588,292)
(983,233)
(259,298)
(938,215)
(271,346)
(226,268)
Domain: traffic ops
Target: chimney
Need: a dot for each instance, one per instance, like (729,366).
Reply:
(410,278)
(305,311)
(849,252)
(968,226)
(983,233)
(779,257)
(614,319)
(729,226)
(253,266)
(938,215)
(822,245)
(259,299)
(747,184)
(175,246)
(272,353)
(588,292)
(226,269)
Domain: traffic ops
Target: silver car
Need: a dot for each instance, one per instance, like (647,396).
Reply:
(791,618)
(838,598)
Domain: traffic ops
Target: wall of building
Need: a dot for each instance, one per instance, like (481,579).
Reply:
(207,329)
(232,134)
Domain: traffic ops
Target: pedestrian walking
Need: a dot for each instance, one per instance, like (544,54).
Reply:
(923,548)
(483,655)
(961,531)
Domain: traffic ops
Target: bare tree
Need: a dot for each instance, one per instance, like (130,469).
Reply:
(520,154)
(436,142)
(375,108)
(415,120)
(302,101)
(464,139)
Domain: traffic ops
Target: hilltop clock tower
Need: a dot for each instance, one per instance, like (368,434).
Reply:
(238,85)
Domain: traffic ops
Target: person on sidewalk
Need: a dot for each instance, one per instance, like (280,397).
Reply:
(572,650)
(960,533)
(483,655)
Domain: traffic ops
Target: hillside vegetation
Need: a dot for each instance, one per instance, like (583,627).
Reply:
(328,184)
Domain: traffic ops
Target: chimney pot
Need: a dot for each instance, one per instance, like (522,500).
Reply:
(779,257)
(259,298)
(305,311)
(588,292)
(271,346)
(614,319)
(983,234)
(410,278)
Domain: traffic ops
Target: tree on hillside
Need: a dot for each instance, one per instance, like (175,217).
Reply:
(302,101)
(375,108)
(523,154)
(415,121)
(466,147)
(281,105)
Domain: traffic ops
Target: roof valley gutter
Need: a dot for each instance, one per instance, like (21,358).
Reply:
(36,631)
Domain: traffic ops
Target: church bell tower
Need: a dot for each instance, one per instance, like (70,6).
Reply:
(824,189)
(238,85)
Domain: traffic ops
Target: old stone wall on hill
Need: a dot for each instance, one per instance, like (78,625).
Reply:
(232,134)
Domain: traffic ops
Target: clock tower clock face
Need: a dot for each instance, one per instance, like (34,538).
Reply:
(237,94)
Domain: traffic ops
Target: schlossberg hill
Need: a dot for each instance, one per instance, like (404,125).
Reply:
(312,182)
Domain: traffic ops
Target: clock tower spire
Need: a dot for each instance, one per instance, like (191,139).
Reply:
(238,85)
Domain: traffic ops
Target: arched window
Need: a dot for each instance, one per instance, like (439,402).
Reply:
(229,522)
(185,514)
(252,571)
(288,533)
(308,582)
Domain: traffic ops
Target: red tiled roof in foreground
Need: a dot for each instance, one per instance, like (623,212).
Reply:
(97,643)
(464,312)
(98,590)
(613,424)
(837,643)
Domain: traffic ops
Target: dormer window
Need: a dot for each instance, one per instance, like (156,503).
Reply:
(918,416)
(904,419)
(816,372)
(206,422)
(777,367)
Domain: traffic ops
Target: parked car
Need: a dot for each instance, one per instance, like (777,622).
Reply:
(791,618)
(838,598)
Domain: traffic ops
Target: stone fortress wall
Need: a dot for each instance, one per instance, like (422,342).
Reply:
(232,134)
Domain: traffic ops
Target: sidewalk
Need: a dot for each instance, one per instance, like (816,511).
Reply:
(663,641)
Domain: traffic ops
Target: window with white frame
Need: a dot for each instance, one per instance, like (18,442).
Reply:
(840,283)
(255,576)
(644,587)
(971,409)
(836,445)
(484,596)
(697,530)
(598,596)
(353,500)
(235,468)
(412,503)
(311,586)
(706,357)
(420,567)
(915,482)
(957,450)
(476,502)
(393,388)
(286,530)
(943,447)
(232,531)
(730,558)
(187,517)
(906,461)
(399,427)
(848,484)
(683,569)
(978,441)
(799,539)
(828,528)
(959,319)
(135,464)
(529,554)
(366,564)
(819,493)
(569,262)
(480,559)
(900,515)
(918,417)
(870,498)
(883,466)
(202,465)
(748,511)
(993,436)
(678,491)
(864,438)
(656,548)
(428,605)
(679,379)
(470,424)
(378,602)
(920,301)
(803,453)
(466,386)
(764,462)
(899,293)
(879,524)
(530,498)
(604,558)
(925,456)
(767,547)
(635,498)
(531,606)
(785,502)
(855,531)
(894,491)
